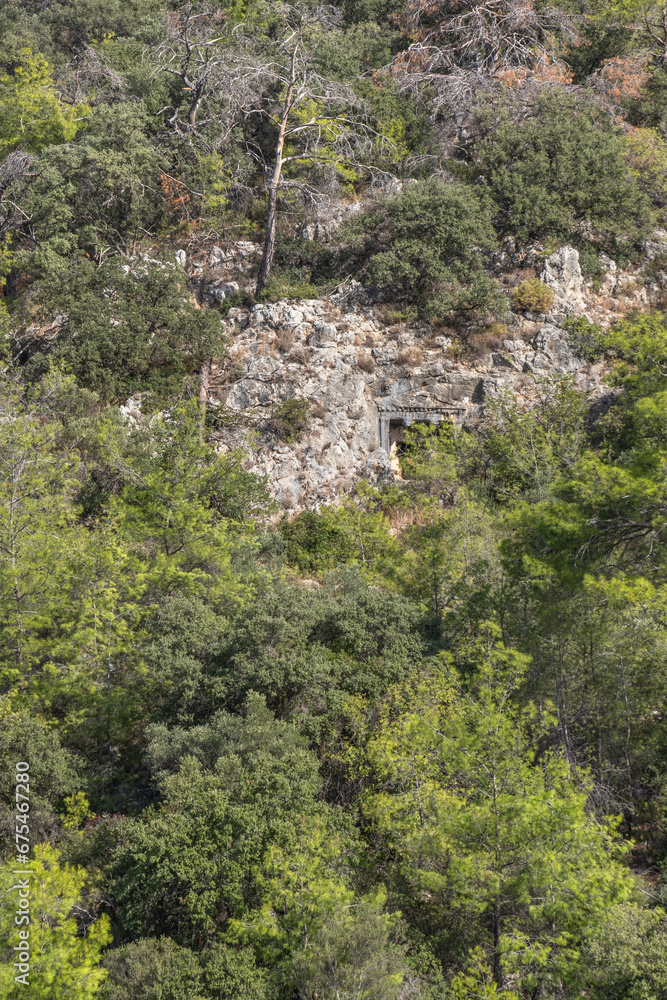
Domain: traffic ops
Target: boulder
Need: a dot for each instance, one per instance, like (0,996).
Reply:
(323,335)
(245,248)
(290,317)
(655,245)
(130,410)
(501,361)
(225,291)
(552,351)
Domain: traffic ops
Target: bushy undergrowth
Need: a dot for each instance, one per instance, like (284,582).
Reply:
(533,296)
(429,241)
(410,744)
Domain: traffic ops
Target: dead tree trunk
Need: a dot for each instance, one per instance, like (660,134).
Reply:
(194,107)
(274,183)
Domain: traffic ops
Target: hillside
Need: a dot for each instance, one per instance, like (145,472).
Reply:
(333,447)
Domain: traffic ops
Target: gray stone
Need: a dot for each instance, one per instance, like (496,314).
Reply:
(323,335)
(290,317)
(225,291)
(238,316)
(130,410)
(553,350)
(562,272)
(500,361)
(361,413)
(655,245)
(245,248)
(377,468)
(218,256)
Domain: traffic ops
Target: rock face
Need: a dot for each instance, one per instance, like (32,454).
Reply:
(366,378)
(365,381)
(562,272)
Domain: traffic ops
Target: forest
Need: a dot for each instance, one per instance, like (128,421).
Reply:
(411,745)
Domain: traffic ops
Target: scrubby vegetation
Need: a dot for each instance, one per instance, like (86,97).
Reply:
(412,745)
(533,295)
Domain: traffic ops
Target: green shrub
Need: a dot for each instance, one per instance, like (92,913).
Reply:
(301,267)
(533,296)
(284,287)
(55,771)
(399,118)
(592,267)
(124,330)
(315,541)
(93,197)
(378,11)
(429,241)
(598,41)
(289,419)
(651,110)
(160,969)
(153,968)
(586,338)
(345,54)
(564,164)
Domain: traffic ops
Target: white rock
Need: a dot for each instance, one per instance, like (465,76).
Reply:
(341,444)
(218,256)
(247,249)
(562,272)
(656,244)
(377,467)
(225,291)
(130,410)
(553,350)
(291,317)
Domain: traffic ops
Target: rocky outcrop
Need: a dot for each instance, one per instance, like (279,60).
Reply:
(365,382)
(562,273)
(366,379)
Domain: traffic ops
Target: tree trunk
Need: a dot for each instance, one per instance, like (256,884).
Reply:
(497,961)
(497,923)
(204,376)
(197,92)
(274,183)
(270,241)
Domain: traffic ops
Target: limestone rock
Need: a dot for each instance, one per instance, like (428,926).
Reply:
(378,468)
(247,249)
(562,272)
(130,410)
(656,245)
(224,291)
(320,351)
(501,361)
(218,256)
(323,335)
(552,352)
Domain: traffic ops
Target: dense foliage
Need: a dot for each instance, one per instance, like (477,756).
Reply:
(412,745)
